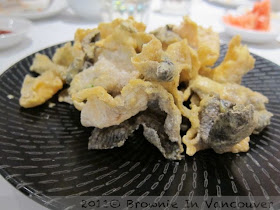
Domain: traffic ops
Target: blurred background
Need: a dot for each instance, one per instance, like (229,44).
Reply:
(41,23)
(152,12)
(29,25)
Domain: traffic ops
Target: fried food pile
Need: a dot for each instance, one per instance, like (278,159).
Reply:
(122,78)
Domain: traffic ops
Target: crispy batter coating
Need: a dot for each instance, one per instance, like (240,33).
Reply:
(236,63)
(43,63)
(112,71)
(234,93)
(208,46)
(122,77)
(65,55)
(204,40)
(80,34)
(106,29)
(188,29)
(101,110)
(166,35)
(152,120)
(36,91)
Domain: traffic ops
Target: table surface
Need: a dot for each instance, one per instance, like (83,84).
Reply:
(61,28)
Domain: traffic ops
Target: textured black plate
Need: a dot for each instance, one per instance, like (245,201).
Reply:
(43,152)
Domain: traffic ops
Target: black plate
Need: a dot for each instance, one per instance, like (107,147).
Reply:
(43,152)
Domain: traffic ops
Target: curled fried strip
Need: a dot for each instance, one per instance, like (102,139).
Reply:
(236,63)
(36,91)
(102,110)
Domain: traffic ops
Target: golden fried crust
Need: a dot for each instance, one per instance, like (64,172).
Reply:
(134,98)
(80,34)
(237,94)
(36,91)
(112,71)
(188,30)
(118,71)
(107,29)
(43,63)
(208,46)
(65,55)
(236,63)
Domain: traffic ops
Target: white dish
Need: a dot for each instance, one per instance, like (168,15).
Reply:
(252,36)
(88,9)
(54,8)
(231,3)
(18,28)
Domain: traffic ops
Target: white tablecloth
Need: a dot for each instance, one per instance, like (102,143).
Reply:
(61,28)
